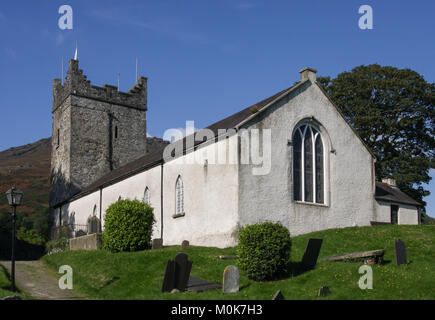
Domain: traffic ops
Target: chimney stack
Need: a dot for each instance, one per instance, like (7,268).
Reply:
(308,73)
(389,181)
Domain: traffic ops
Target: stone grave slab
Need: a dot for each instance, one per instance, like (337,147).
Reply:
(199,285)
(376,255)
(231,280)
(182,271)
(400,252)
(309,260)
(157,243)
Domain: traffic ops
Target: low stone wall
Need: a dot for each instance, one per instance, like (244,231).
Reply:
(88,242)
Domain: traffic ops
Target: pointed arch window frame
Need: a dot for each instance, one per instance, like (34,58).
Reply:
(147,196)
(315,133)
(179,197)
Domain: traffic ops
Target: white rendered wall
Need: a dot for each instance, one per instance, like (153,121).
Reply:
(407,214)
(210,199)
(350,186)
(82,208)
(383,211)
(134,187)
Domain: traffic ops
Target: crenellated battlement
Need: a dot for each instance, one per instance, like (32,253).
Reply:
(76,83)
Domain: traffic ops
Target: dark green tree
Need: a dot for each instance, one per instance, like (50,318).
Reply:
(393,112)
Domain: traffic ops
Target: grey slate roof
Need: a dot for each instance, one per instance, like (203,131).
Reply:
(155,158)
(385,192)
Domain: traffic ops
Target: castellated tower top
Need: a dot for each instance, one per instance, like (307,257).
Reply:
(77,84)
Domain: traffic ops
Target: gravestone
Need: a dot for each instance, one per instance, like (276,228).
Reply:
(400,252)
(278,296)
(185,245)
(324,291)
(311,253)
(231,280)
(177,273)
(182,271)
(169,278)
(157,243)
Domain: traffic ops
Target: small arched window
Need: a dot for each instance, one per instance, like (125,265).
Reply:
(179,196)
(308,165)
(146,196)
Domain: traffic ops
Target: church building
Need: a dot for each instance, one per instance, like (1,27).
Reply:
(291,158)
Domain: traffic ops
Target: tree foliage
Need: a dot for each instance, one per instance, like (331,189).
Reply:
(393,112)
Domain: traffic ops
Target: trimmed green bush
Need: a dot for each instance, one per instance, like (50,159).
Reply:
(128,226)
(264,250)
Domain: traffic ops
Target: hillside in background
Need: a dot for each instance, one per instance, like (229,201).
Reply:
(28,168)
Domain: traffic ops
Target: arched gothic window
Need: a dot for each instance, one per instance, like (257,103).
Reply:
(308,165)
(179,196)
(146,196)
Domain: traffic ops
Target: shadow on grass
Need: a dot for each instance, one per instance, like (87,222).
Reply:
(7,287)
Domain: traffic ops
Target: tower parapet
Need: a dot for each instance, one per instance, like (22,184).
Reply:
(77,84)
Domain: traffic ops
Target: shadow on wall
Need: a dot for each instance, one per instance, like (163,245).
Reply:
(63,189)
(23,250)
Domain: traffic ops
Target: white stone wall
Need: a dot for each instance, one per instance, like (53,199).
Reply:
(383,211)
(348,171)
(407,214)
(77,212)
(134,187)
(210,200)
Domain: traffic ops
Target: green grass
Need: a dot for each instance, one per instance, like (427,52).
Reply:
(5,285)
(139,275)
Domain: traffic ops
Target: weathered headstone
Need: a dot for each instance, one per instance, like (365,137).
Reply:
(231,280)
(169,277)
(278,296)
(157,243)
(177,273)
(182,271)
(311,253)
(324,291)
(185,245)
(400,252)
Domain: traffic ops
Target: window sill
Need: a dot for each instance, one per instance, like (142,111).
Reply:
(312,204)
(178,215)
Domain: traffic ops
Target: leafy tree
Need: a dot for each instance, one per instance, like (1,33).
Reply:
(393,111)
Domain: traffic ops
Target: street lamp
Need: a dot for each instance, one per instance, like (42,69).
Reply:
(14,197)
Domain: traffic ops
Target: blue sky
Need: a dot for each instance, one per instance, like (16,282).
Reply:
(204,59)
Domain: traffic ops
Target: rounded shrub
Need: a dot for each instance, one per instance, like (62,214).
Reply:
(128,226)
(264,250)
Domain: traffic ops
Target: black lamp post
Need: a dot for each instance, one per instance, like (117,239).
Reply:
(14,198)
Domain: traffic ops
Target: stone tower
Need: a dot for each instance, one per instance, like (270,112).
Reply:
(95,130)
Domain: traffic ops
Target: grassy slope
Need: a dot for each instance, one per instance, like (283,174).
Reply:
(139,275)
(5,286)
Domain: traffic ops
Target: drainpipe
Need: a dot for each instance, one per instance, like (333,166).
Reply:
(161,203)
(101,209)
